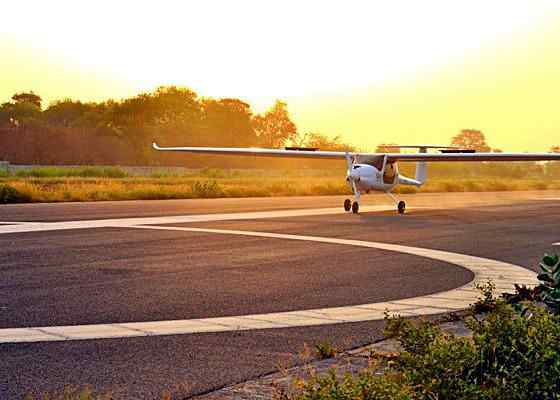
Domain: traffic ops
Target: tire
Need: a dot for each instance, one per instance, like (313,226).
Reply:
(355,207)
(347,205)
(401,207)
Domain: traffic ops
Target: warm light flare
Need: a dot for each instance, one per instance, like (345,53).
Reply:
(371,71)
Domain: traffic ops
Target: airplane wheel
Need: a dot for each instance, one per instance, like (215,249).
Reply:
(355,207)
(401,207)
(347,205)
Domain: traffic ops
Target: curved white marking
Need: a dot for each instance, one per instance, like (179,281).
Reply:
(22,227)
(504,275)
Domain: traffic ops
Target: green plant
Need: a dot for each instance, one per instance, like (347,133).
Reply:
(9,194)
(550,276)
(487,301)
(510,357)
(523,293)
(325,350)
(366,385)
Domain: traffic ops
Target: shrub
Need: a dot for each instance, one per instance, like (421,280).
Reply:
(325,350)
(9,194)
(487,301)
(550,277)
(509,357)
(365,385)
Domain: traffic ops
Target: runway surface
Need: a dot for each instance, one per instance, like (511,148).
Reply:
(102,271)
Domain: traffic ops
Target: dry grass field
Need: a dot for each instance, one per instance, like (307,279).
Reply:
(99,184)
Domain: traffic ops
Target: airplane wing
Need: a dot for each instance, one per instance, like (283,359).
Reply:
(311,153)
(474,157)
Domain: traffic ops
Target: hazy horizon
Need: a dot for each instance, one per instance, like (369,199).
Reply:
(402,73)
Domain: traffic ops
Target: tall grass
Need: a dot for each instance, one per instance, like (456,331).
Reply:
(62,189)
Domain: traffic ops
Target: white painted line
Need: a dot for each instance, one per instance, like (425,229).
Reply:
(451,300)
(21,227)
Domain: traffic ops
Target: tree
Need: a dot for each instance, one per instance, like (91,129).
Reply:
(19,113)
(323,142)
(27,97)
(174,105)
(275,127)
(66,112)
(471,139)
(227,122)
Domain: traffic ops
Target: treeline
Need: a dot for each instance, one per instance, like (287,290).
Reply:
(121,132)
(69,132)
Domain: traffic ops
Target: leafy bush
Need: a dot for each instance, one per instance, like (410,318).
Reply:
(550,277)
(509,357)
(9,194)
(365,385)
(487,301)
(325,350)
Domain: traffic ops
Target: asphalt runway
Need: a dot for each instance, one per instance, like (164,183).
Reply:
(97,274)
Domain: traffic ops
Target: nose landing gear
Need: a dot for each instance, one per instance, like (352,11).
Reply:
(401,205)
(351,205)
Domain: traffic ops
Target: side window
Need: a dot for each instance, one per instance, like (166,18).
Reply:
(389,173)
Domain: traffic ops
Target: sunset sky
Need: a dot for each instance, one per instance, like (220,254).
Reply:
(370,71)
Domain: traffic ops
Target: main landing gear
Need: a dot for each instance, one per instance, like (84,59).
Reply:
(349,205)
(401,205)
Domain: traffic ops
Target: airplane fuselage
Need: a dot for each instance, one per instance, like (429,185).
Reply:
(368,178)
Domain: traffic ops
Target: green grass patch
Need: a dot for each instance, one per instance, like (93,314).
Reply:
(84,172)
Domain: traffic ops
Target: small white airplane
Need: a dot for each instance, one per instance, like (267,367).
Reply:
(376,171)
